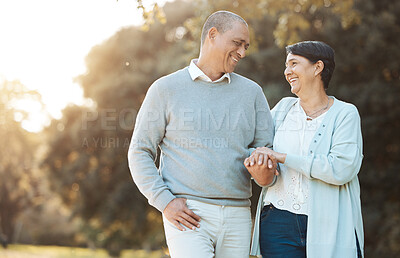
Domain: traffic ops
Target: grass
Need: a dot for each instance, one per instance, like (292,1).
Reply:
(35,251)
(32,251)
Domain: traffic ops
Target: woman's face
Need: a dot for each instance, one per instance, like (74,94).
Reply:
(299,73)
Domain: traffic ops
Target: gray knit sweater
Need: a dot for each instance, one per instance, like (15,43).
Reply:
(204,131)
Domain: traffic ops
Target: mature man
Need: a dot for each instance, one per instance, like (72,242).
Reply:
(205,119)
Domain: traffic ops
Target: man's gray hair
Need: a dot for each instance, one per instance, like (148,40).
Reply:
(222,21)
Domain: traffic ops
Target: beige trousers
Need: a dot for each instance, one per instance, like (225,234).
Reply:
(225,231)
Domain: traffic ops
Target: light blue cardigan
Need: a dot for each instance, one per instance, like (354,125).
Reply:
(333,162)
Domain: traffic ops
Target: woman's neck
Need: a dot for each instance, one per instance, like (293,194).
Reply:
(314,101)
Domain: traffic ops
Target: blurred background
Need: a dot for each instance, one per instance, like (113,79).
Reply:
(73,75)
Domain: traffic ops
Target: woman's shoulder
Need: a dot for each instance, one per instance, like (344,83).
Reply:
(284,103)
(281,109)
(345,107)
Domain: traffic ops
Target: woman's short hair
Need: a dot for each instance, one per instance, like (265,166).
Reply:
(315,51)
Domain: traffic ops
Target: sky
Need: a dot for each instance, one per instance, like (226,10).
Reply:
(43,44)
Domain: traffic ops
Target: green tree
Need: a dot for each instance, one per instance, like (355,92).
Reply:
(18,184)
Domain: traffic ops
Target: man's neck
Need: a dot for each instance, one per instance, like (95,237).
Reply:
(206,65)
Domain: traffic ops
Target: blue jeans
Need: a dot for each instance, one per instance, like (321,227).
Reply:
(284,234)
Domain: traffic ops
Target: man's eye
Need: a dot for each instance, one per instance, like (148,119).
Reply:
(237,43)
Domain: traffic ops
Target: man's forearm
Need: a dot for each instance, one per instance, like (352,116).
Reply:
(147,178)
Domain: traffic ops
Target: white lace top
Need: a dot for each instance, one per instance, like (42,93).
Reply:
(290,192)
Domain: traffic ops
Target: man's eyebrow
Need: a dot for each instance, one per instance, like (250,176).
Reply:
(244,41)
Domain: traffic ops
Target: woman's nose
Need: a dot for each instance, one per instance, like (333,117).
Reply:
(287,71)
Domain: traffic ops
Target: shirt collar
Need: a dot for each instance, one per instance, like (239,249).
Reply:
(196,73)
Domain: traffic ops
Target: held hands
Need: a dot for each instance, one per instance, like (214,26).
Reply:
(280,157)
(178,213)
(262,166)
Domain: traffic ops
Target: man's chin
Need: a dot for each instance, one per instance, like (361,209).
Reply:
(231,70)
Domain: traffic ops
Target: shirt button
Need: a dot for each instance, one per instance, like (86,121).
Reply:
(319,134)
(315,140)
(311,151)
(323,125)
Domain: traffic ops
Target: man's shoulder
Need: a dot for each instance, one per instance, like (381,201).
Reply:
(171,79)
(237,78)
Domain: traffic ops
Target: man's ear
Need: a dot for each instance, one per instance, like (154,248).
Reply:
(212,33)
(319,67)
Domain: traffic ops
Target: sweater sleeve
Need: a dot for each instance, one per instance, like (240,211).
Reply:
(343,161)
(148,133)
(264,129)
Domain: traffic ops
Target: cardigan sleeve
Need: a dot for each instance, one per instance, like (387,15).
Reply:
(343,161)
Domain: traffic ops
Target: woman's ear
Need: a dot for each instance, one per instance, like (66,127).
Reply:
(319,67)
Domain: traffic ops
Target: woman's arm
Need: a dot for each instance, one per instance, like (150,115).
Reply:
(343,161)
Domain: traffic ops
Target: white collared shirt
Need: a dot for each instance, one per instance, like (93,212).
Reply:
(196,73)
(294,136)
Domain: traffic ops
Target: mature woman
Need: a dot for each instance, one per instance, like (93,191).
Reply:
(313,207)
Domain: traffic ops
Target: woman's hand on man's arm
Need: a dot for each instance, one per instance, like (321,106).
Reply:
(262,167)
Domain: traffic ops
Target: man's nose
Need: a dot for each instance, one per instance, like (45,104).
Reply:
(241,51)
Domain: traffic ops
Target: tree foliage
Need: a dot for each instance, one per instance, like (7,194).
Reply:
(18,182)
(150,13)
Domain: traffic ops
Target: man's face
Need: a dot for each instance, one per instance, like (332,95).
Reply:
(230,47)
